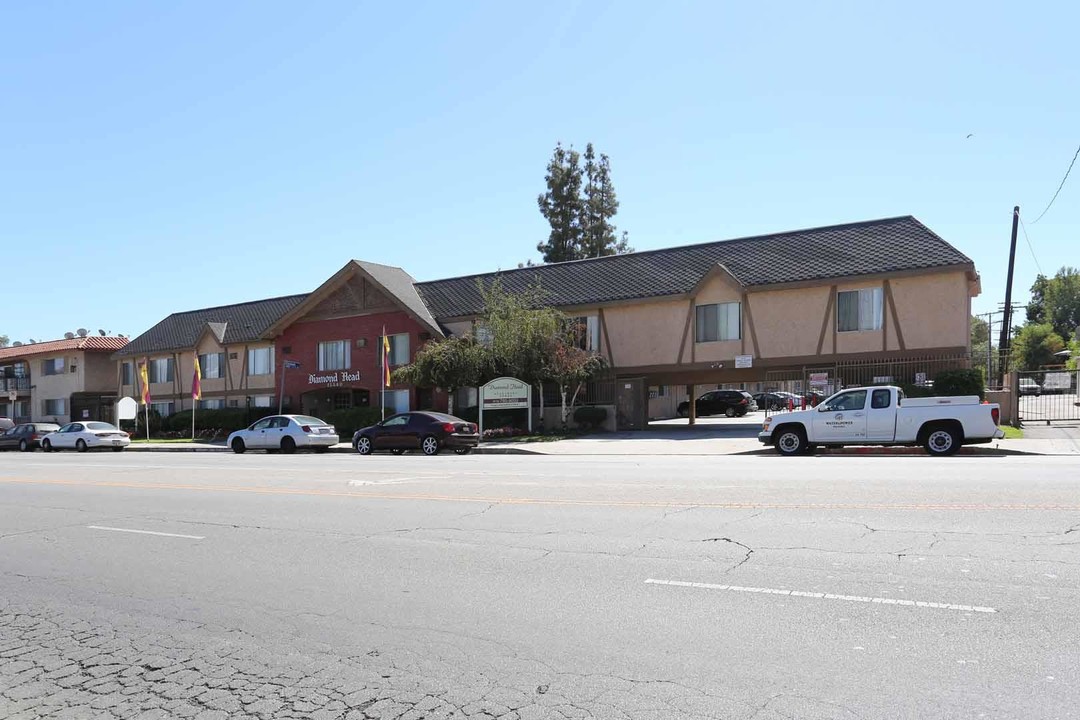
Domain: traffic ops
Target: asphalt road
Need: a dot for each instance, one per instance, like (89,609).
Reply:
(337,586)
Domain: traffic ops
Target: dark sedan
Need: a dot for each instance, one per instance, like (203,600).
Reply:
(26,437)
(426,431)
(771,401)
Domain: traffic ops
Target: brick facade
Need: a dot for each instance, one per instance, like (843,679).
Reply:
(300,342)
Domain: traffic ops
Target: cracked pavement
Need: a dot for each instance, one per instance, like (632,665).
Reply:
(509,587)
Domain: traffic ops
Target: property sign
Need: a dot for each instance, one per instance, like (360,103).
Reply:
(126,409)
(883,379)
(920,378)
(506,393)
(819,379)
(744,361)
(334,378)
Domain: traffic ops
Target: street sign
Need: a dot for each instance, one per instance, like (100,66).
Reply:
(12,395)
(292,365)
(744,361)
(920,378)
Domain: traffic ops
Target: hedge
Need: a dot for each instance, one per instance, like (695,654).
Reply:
(226,419)
(949,383)
(346,422)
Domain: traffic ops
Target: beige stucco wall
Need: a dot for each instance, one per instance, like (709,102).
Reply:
(788,322)
(98,372)
(55,387)
(933,310)
(645,334)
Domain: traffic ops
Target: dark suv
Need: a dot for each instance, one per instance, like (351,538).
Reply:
(733,403)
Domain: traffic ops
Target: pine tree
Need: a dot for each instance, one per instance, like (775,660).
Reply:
(600,205)
(562,206)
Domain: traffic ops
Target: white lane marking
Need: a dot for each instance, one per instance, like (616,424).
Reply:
(823,596)
(146,532)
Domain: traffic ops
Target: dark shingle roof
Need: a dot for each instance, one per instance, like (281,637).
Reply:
(401,285)
(878,246)
(244,322)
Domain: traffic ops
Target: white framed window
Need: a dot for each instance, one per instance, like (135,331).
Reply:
(260,361)
(263,401)
(212,366)
(161,370)
(587,332)
(399,349)
(57,406)
(397,400)
(127,374)
(859,310)
(334,355)
(52,366)
(21,409)
(720,321)
(212,404)
(164,409)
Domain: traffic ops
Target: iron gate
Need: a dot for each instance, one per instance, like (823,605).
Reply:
(1048,395)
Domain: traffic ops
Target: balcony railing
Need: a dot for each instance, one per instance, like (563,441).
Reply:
(7,384)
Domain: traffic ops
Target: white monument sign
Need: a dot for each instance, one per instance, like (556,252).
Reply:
(126,409)
(505,393)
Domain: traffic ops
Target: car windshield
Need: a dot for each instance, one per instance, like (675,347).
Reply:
(99,426)
(308,420)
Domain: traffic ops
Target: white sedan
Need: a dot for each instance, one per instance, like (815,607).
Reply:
(83,436)
(285,433)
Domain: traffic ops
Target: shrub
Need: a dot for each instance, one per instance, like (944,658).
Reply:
(216,422)
(590,417)
(959,382)
(917,391)
(346,422)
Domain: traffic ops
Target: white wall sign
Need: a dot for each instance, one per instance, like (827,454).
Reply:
(920,378)
(883,379)
(744,361)
(126,409)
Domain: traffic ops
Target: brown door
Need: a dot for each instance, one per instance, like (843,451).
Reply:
(631,404)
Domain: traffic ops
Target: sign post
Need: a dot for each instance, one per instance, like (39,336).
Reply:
(11,396)
(286,365)
(505,393)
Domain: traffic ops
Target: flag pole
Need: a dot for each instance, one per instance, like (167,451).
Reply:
(382,378)
(146,409)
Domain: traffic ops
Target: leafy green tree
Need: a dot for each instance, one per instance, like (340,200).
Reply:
(561,204)
(599,206)
(1073,363)
(453,363)
(570,367)
(1034,346)
(4,340)
(1056,301)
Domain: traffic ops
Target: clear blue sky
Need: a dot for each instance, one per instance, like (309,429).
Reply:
(159,157)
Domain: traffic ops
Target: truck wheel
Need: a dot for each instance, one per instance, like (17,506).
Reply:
(791,441)
(942,440)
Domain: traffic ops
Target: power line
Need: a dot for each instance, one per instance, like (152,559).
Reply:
(1024,227)
(1059,186)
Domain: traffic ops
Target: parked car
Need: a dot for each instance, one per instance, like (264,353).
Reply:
(883,416)
(88,435)
(286,433)
(771,400)
(732,403)
(1030,387)
(26,437)
(426,431)
(6,423)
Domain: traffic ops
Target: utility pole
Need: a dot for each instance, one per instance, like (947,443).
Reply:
(1006,323)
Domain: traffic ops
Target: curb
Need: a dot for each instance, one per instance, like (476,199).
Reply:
(223,449)
(905,452)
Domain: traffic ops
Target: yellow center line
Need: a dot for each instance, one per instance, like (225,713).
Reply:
(263,490)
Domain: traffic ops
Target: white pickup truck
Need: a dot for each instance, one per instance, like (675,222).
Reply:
(883,416)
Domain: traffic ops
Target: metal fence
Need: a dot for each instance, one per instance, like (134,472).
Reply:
(1048,395)
(595,392)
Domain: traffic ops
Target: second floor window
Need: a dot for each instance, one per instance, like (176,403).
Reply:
(721,321)
(160,370)
(52,366)
(212,366)
(859,310)
(126,373)
(334,355)
(260,361)
(399,349)
(587,333)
